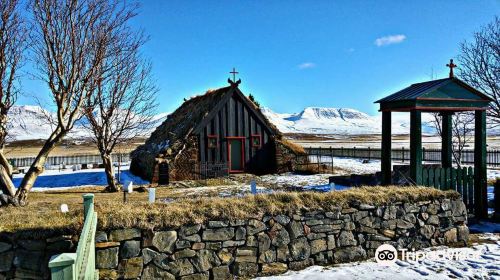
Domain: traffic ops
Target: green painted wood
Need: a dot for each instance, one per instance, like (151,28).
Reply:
(386,149)
(465,186)
(416,146)
(470,183)
(446,139)
(431,178)
(437,179)
(79,265)
(448,178)
(432,105)
(454,175)
(442,177)
(425,177)
(480,184)
(62,266)
(459,181)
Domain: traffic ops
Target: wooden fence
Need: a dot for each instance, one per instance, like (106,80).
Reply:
(79,265)
(402,154)
(457,179)
(68,160)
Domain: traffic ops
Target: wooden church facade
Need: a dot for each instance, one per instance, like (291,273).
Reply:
(212,135)
(237,134)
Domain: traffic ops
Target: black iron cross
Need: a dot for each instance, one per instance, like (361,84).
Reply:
(451,65)
(234,72)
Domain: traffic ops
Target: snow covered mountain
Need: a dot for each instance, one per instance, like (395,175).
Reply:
(318,120)
(33,122)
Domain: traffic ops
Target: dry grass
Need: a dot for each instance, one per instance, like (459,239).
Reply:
(296,148)
(30,148)
(42,216)
(312,168)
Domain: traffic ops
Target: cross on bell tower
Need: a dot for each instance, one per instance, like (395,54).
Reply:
(451,65)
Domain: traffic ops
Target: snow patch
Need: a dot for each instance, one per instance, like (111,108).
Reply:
(487,266)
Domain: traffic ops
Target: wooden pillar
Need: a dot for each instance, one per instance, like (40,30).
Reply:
(416,146)
(480,187)
(386,149)
(446,139)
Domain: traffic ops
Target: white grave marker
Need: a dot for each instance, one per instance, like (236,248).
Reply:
(64,208)
(253,187)
(152,195)
(129,187)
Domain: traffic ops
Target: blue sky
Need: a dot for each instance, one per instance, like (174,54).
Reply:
(293,54)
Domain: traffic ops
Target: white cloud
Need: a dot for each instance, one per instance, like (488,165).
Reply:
(389,40)
(306,65)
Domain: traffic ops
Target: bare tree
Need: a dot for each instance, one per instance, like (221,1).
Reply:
(480,65)
(123,103)
(70,38)
(462,130)
(13,43)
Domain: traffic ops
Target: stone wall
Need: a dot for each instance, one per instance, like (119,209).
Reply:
(23,258)
(287,160)
(246,248)
(274,244)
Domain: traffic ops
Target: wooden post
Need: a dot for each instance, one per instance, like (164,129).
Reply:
(416,146)
(331,156)
(497,198)
(446,140)
(62,266)
(386,148)
(318,157)
(480,187)
(88,204)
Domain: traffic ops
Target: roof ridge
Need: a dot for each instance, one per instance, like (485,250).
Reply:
(431,81)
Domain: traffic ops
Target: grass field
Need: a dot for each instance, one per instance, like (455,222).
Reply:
(73,147)
(67,148)
(374,141)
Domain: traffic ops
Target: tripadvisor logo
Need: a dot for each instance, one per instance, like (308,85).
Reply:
(386,254)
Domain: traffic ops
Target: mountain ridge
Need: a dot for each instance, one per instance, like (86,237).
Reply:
(333,120)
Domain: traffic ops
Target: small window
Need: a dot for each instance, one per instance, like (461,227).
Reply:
(213,141)
(256,141)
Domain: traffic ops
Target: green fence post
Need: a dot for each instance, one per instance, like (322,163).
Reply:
(425,177)
(443,178)
(465,186)
(454,179)
(472,199)
(62,266)
(432,182)
(88,204)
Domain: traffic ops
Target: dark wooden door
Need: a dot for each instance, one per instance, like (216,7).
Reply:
(163,174)
(236,154)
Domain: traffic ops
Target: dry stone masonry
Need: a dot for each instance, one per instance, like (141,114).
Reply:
(247,248)
(275,244)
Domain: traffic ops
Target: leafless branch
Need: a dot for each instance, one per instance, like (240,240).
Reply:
(123,101)
(13,43)
(70,42)
(479,65)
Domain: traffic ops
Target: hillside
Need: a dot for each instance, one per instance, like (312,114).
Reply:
(318,120)
(33,122)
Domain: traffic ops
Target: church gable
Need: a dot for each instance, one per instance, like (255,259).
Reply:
(236,121)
